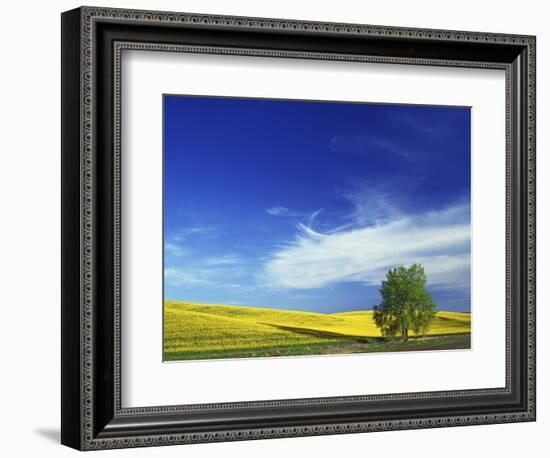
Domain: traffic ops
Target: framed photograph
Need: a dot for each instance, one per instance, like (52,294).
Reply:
(276,228)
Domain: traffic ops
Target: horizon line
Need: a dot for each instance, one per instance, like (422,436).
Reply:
(293,310)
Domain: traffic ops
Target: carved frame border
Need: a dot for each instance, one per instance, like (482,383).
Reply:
(88,17)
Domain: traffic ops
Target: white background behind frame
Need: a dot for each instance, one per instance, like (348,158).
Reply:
(31,194)
(147,75)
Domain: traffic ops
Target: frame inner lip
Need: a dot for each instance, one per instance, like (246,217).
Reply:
(119,47)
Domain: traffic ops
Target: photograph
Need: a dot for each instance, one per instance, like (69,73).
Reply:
(314,227)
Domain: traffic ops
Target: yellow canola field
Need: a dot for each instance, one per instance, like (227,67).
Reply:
(200,329)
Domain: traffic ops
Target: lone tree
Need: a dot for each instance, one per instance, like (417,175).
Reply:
(406,303)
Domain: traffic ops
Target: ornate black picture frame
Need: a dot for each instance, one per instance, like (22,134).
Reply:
(92,42)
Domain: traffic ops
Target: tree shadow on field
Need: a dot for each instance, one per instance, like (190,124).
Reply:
(311,332)
(350,338)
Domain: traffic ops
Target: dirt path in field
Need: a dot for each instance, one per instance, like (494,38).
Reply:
(419,344)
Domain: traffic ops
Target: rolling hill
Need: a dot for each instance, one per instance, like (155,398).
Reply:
(206,331)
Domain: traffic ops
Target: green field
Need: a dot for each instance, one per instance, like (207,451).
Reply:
(206,331)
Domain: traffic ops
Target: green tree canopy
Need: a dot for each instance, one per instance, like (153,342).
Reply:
(406,303)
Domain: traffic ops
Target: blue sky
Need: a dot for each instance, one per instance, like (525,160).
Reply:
(305,205)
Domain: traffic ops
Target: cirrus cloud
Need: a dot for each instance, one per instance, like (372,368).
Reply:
(440,240)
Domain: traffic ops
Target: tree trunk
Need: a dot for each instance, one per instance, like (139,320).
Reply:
(405,335)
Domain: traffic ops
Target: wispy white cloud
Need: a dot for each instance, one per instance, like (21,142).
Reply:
(305,219)
(193,231)
(209,276)
(372,205)
(176,243)
(225,260)
(440,240)
(173,249)
(365,141)
(278,211)
(224,271)
(179,276)
(284,211)
(433,126)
